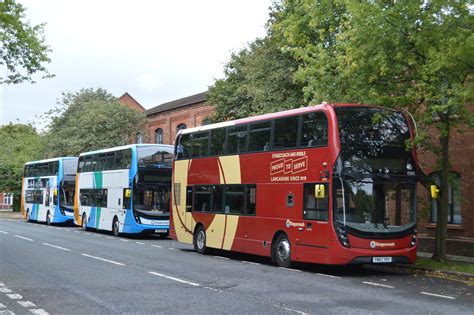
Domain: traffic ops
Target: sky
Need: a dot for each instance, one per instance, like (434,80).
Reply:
(156,50)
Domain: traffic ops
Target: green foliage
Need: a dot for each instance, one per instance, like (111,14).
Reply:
(22,47)
(258,79)
(20,144)
(90,119)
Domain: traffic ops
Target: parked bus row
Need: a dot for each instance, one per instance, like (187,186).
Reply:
(328,184)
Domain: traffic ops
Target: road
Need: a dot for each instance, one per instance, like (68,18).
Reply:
(59,269)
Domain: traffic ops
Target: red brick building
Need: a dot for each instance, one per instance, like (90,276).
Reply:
(163,122)
(6,201)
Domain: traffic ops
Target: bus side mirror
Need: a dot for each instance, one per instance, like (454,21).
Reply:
(319,191)
(127,193)
(434,191)
(55,192)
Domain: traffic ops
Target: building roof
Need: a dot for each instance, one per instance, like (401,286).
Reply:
(182,102)
(127,95)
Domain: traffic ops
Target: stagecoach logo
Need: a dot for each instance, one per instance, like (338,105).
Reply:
(290,223)
(374,244)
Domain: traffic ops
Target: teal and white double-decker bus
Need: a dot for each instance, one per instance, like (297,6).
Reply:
(125,189)
(48,188)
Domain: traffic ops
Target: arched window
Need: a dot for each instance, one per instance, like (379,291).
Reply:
(139,138)
(159,135)
(180,127)
(454,197)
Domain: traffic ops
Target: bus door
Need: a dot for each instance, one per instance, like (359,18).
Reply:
(315,232)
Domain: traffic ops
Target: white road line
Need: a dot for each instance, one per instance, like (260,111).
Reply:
(439,295)
(6,312)
(3,232)
(5,290)
(24,238)
(213,289)
(250,262)
(39,311)
(329,276)
(171,248)
(14,296)
(123,240)
(378,284)
(2,284)
(26,304)
(140,243)
(174,279)
(2,305)
(284,268)
(103,259)
(110,237)
(77,232)
(286,308)
(157,246)
(220,257)
(58,247)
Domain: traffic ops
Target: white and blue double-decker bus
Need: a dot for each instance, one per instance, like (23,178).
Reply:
(48,190)
(125,189)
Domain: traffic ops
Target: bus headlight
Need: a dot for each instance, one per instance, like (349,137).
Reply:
(342,236)
(413,238)
(137,218)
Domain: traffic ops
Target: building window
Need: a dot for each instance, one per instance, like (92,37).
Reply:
(159,136)
(454,197)
(8,199)
(180,127)
(139,138)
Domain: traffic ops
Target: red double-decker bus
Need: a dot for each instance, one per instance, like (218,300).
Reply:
(328,184)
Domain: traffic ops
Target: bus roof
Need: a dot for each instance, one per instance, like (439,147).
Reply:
(128,146)
(51,160)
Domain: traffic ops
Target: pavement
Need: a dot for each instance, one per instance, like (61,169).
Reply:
(61,269)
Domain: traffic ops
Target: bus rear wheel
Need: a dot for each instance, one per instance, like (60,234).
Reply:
(200,240)
(115,227)
(48,218)
(282,251)
(84,222)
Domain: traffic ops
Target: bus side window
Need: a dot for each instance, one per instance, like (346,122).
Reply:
(259,137)
(314,131)
(189,197)
(315,208)
(285,133)
(237,140)
(217,141)
(126,198)
(183,148)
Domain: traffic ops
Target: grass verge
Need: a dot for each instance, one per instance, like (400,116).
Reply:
(449,265)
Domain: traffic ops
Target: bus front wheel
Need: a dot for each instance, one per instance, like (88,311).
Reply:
(84,222)
(282,251)
(48,218)
(200,240)
(115,227)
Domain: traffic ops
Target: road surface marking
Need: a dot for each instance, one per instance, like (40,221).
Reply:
(174,279)
(171,248)
(50,227)
(140,243)
(55,246)
(378,284)
(286,308)
(213,289)
(438,295)
(284,268)
(2,305)
(329,276)
(5,290)
(67,230)
(14,296)
(220,257)
(103,259)
(39,311)
(3,232)
(77,232)
(26,303)
(24,238)
(110,237)
(250,262)
(157,246)
(6,312)
(123,240)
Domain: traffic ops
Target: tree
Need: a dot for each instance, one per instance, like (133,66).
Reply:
(258,79)
(22,47)
(90,119)
(417,55)
(20,144)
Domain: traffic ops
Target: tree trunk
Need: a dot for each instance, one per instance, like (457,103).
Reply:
(442,215)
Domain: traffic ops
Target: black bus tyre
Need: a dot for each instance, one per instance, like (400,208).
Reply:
(84,222)
(200,240)
(115,227)
(48,218)
(282,251)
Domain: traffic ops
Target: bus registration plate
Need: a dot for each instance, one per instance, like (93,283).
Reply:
(161,231)
(381,259)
